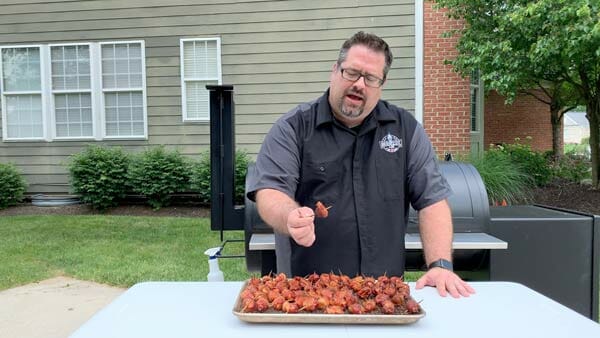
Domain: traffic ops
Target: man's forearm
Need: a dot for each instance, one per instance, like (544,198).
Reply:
(435,223)
(274,207)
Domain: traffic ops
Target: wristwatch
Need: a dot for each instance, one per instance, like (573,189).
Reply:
(441,263)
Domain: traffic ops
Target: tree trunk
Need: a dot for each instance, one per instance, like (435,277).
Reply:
(555,119)
(593,115)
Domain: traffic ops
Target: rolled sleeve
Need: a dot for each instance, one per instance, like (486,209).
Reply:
(426,185)
(277,163)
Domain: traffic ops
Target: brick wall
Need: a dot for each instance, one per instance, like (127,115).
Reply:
(527,116)
(446,111)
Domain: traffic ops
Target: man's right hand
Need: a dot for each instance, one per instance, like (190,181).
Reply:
(301,226)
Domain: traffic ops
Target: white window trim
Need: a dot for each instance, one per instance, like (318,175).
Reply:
(45,136)
(98,113)
(219,79)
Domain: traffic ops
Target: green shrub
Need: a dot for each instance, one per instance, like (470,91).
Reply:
(532,162)
(241,168)
(12,185)
(573,167)
(503,178)
(200,180)
(99,175)
(157,173)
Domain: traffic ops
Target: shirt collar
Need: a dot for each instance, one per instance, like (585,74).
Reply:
(324,114)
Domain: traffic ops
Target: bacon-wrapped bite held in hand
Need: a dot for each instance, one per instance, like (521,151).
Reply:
(321,210)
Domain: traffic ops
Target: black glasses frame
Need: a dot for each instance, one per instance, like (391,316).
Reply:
(354,75)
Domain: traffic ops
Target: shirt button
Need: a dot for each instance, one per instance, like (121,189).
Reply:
(322,168)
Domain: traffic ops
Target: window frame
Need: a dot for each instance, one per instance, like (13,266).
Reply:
(113,90)
(96,90)
(52,105)
(45,136)
(475,89)
(219,79)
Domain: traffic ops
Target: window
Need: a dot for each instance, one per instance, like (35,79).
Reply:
(71,90)
(200,65)
(475,101)
(22,93)
(92,90)
(123,86)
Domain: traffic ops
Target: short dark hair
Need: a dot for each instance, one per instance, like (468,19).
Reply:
(371,41)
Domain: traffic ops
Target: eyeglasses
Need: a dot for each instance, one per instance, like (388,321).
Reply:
(353,75)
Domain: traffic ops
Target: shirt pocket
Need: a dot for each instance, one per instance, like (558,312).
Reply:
(320,182)
(390,176)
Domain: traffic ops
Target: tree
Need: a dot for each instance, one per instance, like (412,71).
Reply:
(561,97)
(519,45)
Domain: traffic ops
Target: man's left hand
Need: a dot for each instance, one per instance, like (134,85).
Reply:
(446,282)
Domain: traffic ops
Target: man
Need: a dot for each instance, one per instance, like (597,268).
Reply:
(366,159)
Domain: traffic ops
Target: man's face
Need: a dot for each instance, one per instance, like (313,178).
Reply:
(352,101)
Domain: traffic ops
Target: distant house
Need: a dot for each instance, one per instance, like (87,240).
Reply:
(576,127)
(132,73)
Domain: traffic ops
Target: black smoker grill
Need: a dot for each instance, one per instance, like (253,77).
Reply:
(513,244)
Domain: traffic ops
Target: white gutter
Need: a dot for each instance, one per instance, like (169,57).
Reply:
(419,60)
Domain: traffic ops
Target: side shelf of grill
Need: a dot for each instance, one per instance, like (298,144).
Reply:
(471,252)
(466,241)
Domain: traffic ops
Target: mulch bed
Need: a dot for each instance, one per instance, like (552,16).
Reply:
(569,195)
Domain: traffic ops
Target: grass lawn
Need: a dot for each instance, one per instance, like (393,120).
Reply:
(116,250)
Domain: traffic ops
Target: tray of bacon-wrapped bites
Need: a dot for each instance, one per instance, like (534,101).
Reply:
(327,298)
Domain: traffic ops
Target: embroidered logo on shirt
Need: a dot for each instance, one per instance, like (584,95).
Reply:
(390,143)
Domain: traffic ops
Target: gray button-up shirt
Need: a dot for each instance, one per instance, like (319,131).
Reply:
(369,178)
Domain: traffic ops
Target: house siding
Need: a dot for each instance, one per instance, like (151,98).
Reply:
(276,53)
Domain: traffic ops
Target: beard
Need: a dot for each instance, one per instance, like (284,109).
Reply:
(351,110)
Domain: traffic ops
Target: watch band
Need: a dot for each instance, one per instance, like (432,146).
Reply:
(441,263)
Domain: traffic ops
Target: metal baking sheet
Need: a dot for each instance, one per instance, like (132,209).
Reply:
(308,318)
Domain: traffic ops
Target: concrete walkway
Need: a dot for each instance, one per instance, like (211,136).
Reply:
(53,308)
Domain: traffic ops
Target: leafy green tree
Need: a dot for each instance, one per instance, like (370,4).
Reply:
(549,45)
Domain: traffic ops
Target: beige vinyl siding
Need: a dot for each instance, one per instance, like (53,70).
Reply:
(277,54)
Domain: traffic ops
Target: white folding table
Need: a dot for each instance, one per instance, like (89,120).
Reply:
(202,309)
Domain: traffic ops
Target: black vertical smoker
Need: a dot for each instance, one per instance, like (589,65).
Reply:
(224,214)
